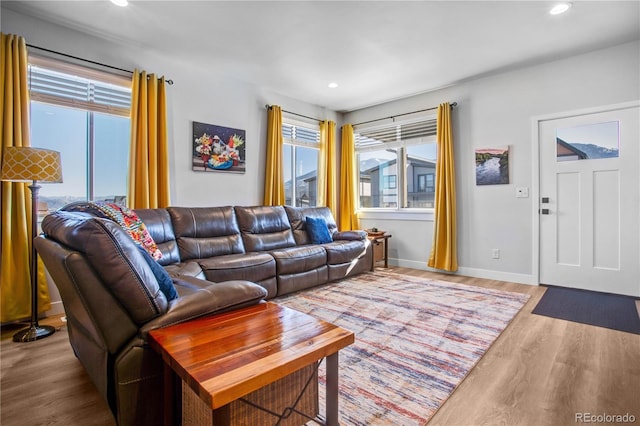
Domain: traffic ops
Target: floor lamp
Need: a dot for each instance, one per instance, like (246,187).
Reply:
(26,164)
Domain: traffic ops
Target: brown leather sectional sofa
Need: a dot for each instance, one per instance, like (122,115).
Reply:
(266,245)
(219,258)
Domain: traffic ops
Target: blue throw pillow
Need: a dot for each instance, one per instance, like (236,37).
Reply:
(164,280)
(318,230)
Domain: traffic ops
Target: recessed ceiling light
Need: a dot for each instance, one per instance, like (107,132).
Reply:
(333,85)
(560,8)
(121,3)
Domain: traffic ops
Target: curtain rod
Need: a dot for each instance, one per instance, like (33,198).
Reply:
(295,113)
(453,104)
(169,81)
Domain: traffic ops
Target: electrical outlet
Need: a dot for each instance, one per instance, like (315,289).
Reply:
(495,254)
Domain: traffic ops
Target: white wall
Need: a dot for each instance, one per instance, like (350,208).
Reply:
(203,95)
(498,111)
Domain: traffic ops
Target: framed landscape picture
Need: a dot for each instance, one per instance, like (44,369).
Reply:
(492,166)
(218,148)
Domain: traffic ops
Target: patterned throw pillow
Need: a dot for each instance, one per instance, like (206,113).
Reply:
(124,217)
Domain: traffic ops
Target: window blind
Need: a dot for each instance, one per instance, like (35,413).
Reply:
(393,133)
(300,135)
(74,91)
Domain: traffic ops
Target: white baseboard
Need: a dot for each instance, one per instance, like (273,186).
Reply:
(57,308)
(470,272)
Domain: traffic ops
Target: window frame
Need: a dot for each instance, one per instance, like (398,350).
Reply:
(402,211)
(90,106)
(423,182)
(294,143)
(389,183)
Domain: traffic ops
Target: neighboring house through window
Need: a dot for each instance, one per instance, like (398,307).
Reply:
(301,147)
(397,163)
(426,183)
(84,114)
(389,181)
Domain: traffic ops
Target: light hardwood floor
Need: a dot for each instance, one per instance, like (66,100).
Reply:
(540,371)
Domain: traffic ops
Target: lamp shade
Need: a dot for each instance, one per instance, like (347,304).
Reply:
(27,164)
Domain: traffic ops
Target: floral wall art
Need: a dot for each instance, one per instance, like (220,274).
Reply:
(492,166)
(218,148)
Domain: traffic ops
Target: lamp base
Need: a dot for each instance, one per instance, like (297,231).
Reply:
(33,333)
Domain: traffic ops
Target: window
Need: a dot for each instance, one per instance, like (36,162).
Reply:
(390,182)
(301,147)
(84,114)
(374,166)
(422,183)
(397,164)
(426,183)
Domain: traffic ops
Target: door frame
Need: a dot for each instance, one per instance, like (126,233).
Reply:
(535,169)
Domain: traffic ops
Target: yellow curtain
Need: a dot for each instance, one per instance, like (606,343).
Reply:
(15,231)
(327,167)
(274,177)
(348,189)
(149,150)
(444,253)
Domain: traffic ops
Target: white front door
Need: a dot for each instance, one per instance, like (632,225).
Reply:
(590,201)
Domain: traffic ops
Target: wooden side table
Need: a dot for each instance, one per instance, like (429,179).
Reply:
(227,356)
(380,248)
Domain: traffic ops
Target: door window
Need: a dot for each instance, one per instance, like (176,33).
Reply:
(588,142)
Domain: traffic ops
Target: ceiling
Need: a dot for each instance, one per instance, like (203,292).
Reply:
(376,51)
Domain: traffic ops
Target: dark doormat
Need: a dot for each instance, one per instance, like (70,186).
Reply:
(607,310)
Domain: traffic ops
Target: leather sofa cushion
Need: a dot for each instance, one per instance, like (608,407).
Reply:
(204,232)
(189,269)
(344,251)
(158,223)
(289,283)
(264,228)
(350,235)
(344,270)
(206,298)
(115,257)
(293,260)
(90,306)
(248,266)
(271,285)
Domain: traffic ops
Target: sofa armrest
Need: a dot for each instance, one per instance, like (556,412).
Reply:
(350,235)
(212,299)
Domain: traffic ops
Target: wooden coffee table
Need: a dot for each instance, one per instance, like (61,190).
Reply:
(227,356)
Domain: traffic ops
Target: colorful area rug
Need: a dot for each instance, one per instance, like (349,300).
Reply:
(613,311)
(416,340)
